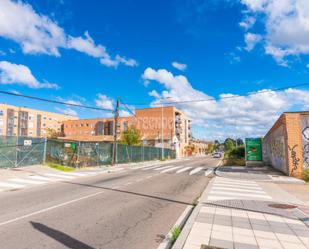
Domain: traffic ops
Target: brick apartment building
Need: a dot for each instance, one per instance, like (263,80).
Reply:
(176,128)
(22,121)
(286,145)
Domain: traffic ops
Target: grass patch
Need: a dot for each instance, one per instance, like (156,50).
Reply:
(175,233)
(234,162)
(306,175)
(60,167)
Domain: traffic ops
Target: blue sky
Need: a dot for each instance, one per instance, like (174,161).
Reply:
(90,52)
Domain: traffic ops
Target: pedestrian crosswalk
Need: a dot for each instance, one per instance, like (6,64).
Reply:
(172,169)
(44,178)
(229,189)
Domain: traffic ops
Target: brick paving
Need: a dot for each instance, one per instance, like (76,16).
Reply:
(236,214)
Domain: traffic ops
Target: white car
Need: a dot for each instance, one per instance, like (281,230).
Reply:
(216,155)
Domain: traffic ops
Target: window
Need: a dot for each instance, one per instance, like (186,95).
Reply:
(125,125)
(81,125)
(30,124)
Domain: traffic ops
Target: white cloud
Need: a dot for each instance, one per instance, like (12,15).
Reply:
(11,73)
(66,111)
(104,102)
(239,116)
(179,66)
(251,40)
(38,34)
(35,33)
(69,101)
(286,27)
(247,23)
(86,45)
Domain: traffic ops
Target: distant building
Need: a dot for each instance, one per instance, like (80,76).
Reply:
(176,128)
(198,147)
(22,121)
(286,145)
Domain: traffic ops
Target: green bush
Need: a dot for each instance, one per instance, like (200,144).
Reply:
(306,175)
(175,233)
(60,167)
(236,153)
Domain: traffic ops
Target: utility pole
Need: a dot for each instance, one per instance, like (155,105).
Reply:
(114,161)
(162,135)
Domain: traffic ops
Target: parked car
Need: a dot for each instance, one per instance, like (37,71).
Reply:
(216,155)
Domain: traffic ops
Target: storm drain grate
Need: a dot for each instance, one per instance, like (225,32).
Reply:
(282,206)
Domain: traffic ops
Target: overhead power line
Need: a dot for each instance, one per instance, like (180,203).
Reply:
(227,97)
(55,101)
(127,107)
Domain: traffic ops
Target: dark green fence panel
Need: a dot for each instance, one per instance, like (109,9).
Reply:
(24,151)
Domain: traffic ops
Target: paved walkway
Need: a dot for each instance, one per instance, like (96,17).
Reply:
(243,214)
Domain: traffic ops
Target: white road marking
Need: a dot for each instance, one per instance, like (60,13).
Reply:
(11,185)
(22,180)
(183,170)
(49,208)
(196,170)
(58,176)
(233,185)
(43,178)
(238,190)
(208,172)
(148,177)
(237,183)
(75,173)
(171,169)
(216,192)
(165,167)
(151,167)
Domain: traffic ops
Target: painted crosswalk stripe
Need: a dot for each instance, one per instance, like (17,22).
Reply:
(208,172)
(196,170)
(74,174)
(11,185)
(237,186)
(171,169)
(165,167)
(238,189)
(216,192)
(151,167)
(237,183)
(183,170)
(43,178)
(27,181)
(58,176)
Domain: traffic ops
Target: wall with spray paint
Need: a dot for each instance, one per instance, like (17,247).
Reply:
(274,150)
(305,139)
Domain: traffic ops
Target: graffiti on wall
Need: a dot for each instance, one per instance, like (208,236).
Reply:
(277,155)
(305,139)
(295,159)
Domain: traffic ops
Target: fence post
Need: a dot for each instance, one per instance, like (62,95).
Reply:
(16,151)
(44,153)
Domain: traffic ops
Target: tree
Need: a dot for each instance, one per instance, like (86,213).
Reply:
(239,142)
(210,148)
(131,136)
(51,133)
(229,144)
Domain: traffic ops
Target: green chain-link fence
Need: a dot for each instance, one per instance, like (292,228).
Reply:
(24,151)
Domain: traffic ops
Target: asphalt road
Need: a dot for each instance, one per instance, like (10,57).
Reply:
(131,209)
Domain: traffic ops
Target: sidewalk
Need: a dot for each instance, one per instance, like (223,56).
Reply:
(239,213)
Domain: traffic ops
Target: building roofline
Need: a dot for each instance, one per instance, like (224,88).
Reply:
(25,107)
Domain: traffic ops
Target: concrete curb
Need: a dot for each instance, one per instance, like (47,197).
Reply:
(189,224)
(167,242)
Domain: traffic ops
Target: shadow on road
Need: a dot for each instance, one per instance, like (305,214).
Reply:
(134,193)
(61,237)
